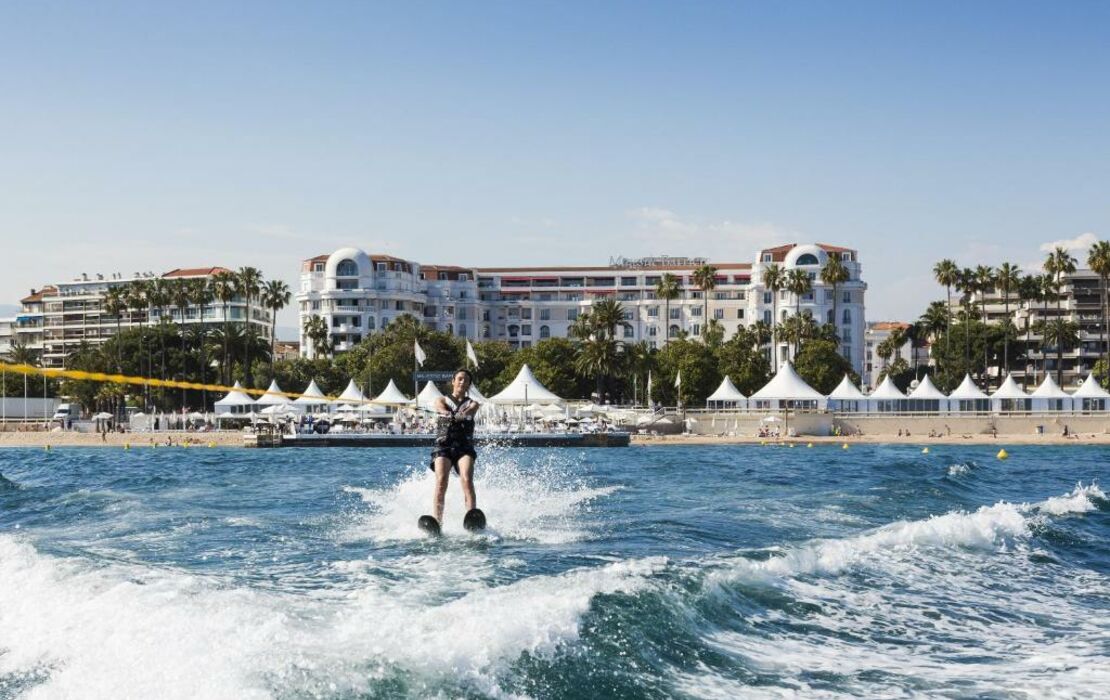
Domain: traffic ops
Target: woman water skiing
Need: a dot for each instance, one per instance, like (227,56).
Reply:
(454,445)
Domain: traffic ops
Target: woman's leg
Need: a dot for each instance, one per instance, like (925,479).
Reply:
(443,470)
(466,478)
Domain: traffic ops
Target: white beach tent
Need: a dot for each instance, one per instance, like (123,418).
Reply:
(1009,398)
(886,398)
(351,396)
(726,396)
(311,400)
(476,395)
(926,398)
(525,389)
(847,397)
(235,403)
(391,396)
(967,398)
(1090,396)
(273,396)
(786,388)
(1050,397)
(426,399)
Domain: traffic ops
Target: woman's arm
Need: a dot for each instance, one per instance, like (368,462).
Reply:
(442,407)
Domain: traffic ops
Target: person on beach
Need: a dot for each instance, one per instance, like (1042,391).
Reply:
(454,445)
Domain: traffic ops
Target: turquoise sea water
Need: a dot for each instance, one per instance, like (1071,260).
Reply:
(695,572)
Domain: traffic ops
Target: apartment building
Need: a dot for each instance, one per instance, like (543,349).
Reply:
(55,320)
(357,294)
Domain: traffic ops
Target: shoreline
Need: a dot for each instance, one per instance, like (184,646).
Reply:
(235,439)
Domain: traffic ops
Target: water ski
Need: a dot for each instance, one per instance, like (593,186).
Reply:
(474,520)
(429,525)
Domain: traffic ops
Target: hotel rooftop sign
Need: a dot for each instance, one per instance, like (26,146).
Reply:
(655,261)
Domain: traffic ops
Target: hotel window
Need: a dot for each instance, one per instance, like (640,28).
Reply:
(628,333)
(767,317)
(847,316)
(672,331)
(545,314)
(628,281)
(572,314)
(356,321)
(400,305)
(846,257)
(485,314)
(370,323)
(464,277)
(695,311)
(829,316)
(346,268)
(485,331)
(514,331)
(697,329)
(462,329)
(526,329)
(545,332)
(767,257)
(526,314)
(767,298)
(335,321)
(653,312)
(719,314)
(676,313)
(740,314)
(381,267)
(652,331)
(847,298)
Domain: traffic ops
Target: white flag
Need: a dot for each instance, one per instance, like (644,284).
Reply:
(678,379)
(419,351)
(470,354)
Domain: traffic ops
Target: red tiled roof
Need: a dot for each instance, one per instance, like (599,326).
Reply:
(612,271)
(888,325)
(195,272)
(778,253)
(37,296)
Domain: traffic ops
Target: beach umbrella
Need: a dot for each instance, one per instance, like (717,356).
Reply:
(103,416)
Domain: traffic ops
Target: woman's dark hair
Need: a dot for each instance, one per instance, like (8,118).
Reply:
(469,376)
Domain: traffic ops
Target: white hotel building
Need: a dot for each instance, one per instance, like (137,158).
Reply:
(356,294)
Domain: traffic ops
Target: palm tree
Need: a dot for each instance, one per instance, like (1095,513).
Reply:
(947,273)
(1008,279)
(224,289)
(966,285)
(774,279)
(1062,333)
(606,315)
(136,296)
(834,273)
(637,361)
(1098,259)
(798,283)
(598,357)
(181,294)
(275,297)
(203,295)
(1030,289)
(667,288)
(706,279)
(316,330)
(114,304)
(1059,264)
(250,285)
(984,283)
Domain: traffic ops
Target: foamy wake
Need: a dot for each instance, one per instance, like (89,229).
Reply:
(131,631)
(534,502)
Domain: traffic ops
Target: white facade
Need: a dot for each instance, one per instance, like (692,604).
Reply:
(356,294)
(57,319)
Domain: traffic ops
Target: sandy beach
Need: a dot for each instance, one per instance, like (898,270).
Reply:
(120,440)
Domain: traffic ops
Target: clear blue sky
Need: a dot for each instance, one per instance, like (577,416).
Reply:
(146,136)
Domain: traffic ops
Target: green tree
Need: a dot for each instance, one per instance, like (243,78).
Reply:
(1059,265)
(1098,259)
(249,282)
(821,365)
(1061,334)
(316,330)
(741,357)
(667,288)
(699,368)
(774,279)
(224,290)
(835,274)
(552,361)
(275,297)
(947,273)
(1008,280)
(705,277)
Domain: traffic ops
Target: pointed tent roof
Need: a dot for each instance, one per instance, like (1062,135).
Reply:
(428,395)
(392,396)
(786,384)
(927,390)
(846,391)
(236,397)
(1090,389)
(967,390)
(1009,390)
(311,396)
(525,389)
(1049,389)
(886,390)
(352,394)
(476,395)
(274,398)
(727,391)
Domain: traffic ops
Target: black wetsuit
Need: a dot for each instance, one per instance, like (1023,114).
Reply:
(454,436)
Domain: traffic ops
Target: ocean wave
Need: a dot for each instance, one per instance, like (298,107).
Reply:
(125,630)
